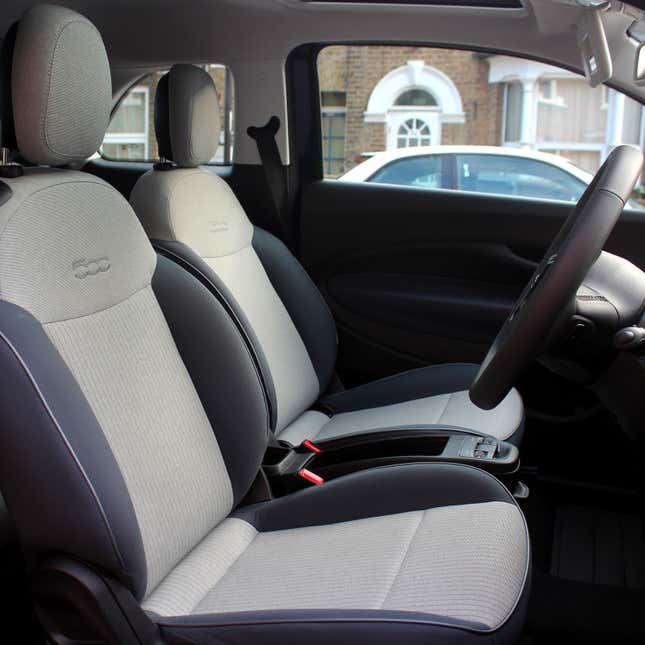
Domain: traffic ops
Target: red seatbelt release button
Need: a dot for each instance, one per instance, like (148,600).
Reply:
(310,445)
(311,477)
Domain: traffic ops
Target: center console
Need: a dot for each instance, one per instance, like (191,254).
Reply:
(290,468)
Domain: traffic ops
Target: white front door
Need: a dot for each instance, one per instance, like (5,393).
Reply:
(408,128)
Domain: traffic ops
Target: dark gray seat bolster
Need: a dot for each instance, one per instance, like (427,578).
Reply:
(304,302)
(342,627)
(375,492)
(321,628)
(183,255)
(55,462)
(222,369)
(380,491)
(407,386)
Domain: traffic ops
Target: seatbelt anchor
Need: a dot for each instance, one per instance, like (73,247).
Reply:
(310,476)
(311,446)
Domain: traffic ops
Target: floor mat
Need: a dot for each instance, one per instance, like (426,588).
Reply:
(588,574)
(599,547)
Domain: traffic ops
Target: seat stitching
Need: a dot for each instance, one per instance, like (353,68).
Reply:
(401,563)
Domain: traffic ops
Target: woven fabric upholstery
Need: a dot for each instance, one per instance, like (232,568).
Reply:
(73,254)
(199,209)
(294,379)
(193,206)
(61,87)
(448,410)
(467,562)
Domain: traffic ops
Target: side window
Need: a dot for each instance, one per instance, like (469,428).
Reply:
(425,172)
(333,131)
(131,136)
(379,101)
(516,176)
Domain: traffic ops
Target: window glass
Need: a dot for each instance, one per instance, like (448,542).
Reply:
(333,131)
(412,133)
(414,171)
(416,97)
(130,135)
(516,176)
(378,101)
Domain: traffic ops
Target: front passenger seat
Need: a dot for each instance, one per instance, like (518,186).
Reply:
(125,486)
(192,215)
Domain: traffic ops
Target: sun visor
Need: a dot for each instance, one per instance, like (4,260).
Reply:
(592,41)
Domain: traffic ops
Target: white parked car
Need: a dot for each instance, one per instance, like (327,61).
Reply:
(483,169)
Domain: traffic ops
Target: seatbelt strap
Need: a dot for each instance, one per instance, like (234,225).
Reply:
(274,172)
(7,135)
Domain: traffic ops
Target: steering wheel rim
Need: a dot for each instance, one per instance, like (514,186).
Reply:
(558,277)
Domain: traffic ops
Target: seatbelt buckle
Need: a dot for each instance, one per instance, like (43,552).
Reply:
(311,446)
(311,476)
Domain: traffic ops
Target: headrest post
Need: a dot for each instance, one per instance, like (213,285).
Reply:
(9,170)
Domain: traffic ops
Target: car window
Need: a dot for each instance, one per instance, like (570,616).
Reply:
(131,136)
(516,176)
(378,101)
(423,171)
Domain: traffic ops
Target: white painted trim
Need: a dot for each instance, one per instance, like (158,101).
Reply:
(415,74)
(564,145)
(504,69)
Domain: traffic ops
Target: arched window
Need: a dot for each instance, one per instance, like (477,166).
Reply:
(413,132)
(416,97)
(415,85)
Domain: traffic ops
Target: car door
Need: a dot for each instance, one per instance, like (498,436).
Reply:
(419,274)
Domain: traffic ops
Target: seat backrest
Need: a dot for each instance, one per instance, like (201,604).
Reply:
(106,450)
(192,213)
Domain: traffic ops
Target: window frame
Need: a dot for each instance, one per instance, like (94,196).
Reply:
(331,111)
(119,138)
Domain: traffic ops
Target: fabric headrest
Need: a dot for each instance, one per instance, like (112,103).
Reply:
(60,85)
(187,122)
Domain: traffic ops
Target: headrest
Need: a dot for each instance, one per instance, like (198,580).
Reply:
(60,86)
(187,121)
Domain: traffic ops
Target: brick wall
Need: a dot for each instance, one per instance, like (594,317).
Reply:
(357,69)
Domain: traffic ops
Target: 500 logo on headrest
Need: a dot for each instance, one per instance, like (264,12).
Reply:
(84,268)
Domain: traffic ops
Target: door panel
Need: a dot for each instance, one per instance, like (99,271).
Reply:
(419,276)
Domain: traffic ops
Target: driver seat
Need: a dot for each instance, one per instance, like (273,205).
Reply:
(192,216)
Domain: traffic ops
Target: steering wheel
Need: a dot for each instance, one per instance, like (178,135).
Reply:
(557,278)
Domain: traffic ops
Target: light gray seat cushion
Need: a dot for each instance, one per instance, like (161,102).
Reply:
(408,562)
(454,557)
(435,396)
